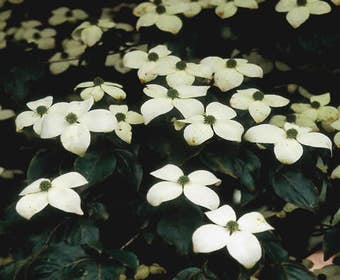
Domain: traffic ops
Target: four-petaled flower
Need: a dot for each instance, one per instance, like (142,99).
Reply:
(65,14)
(226,9)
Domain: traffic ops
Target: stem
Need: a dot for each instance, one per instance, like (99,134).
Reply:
(132,239)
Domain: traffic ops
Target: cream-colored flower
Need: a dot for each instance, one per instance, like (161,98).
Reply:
(296,118)
(43,39)
(65,14)
(336,173)
(18,33)
(6,114)
(226,9)
(4,16)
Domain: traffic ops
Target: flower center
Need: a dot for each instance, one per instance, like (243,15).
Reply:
(181,65)
(160,9)
(69,14)
(258,95)
(209,119)
(45,186)
(232,226)
(231,63)
(291,118)
(301,2)
(64,55)
(71,118)
(315,104)
(183,180)
(42,110)
(172,93)
(98,81)
(153,56)
(120,117)
(36,36)
(291,133)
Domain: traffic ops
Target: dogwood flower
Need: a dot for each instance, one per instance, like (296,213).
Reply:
(98,87)
(9,173)
(217,118)
(296,118)
(39,109)
(25,26)
(229,73)
(300,10)
(287,141)
(164,100)
(318,108)
(226,9)
(193,186)
(257,103)
(73,122)
(336,125)
(57,193)
(90,33)
(65,14)
(237,235)
(6,114)
(43,39)
(157,61)
(124,119)
(4,16)
(336,173)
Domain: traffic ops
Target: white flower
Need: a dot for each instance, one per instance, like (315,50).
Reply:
(300,10)
(90,33)
(217,118)
(164,100)
(193,186)
(25,26)
(184,73)
(73,47)
(287,142)
(157,61)
(124,120)
(57,193)
(336,125)
(191,8)
(98,87)
(317,109)
(237,235)
(4,16)
(61,61)
(336,173)
(44,39)
(73,122)
(229,72)
(9,173)
(257,103)
(6,114)
(116,60)
(161,14)
(65,14)
(39,109)
(226,9)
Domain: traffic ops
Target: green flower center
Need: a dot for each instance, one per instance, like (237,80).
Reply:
(301,2)
(181,65)
(98,81)
(160,9)
(209,119)
(64,55)
(183,180)
(69,14)
(291,118)
(315,104)
(120,117)
(291,133)
(231,63)
(232,226)
(258,95)
(71,118)
(153,56)
(172,93)
(45,186)
(42,110)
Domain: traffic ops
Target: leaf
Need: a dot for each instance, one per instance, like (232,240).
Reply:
(83,232)
(98,271)
(287,271)
(194,273)
(331,242)
(273,251)
(294,187)
(96,165)
(126,258)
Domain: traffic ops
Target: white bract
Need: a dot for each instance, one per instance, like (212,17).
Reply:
(124,119)
(65,14)
(157,61)
(229,73)
(57,193)
(336,125)
(287,141)
(25,26)
(44,39)
(73,122)
(39,110)
(4,16)
(237,235)
(298,119)
(217,118)
(257,103)
(300,10)
(226,9)
(164,100)
(6,114)
(193,186)
(336,173)
(98,87)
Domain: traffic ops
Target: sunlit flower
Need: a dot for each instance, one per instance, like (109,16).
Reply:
(287,141)
(193,186)
(57,193)
(296,118)
(300,10)
(98,87)
(226,9)
(44,39)
(229,73)
(217,118)
(65,14)
(237,235)
(258,104)
(164,100)
(6,114)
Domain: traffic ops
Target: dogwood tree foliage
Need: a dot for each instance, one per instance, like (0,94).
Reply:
(169,139)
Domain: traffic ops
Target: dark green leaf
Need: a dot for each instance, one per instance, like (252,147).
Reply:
(331,242)
(194,273)
(126,258)
(287,271)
